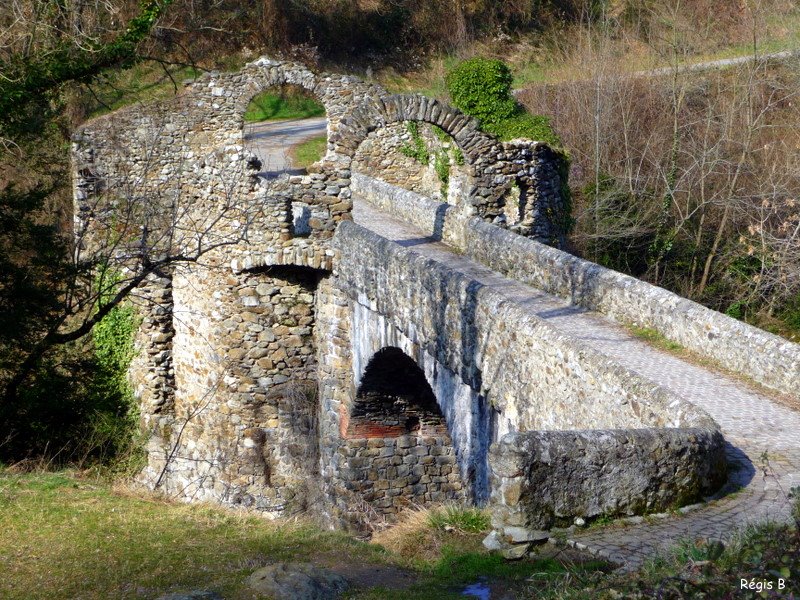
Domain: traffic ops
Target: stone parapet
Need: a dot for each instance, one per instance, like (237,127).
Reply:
(542,479)
(768,359)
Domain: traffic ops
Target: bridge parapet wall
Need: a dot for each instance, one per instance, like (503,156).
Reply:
(766,358)
(520,374)
(542,479)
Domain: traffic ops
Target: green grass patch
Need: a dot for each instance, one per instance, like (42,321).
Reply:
(527,126)
(144,82)
(65,537)
(457,566)
(270,105)
(464,519)
(307,153)
(655,338)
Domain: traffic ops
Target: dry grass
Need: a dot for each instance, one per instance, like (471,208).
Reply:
(421,533)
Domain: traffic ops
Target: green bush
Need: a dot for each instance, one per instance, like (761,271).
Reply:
(525,125)
(481,87)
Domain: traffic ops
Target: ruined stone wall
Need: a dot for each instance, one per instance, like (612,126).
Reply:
(151,368)
(243,427)
(380,154)
(226,366)
(384,154)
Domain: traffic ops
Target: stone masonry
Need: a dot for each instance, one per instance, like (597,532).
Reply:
(333,368)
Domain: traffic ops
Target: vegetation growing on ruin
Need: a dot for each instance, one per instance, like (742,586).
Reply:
(481,87)
(417,149)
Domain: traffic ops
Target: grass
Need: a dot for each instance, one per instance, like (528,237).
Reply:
(309,152)
(145,82)
(657,339)
(65,536)
(287,104)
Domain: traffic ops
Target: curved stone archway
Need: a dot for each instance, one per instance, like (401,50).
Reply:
(482,190)
(393,399)
(397,450)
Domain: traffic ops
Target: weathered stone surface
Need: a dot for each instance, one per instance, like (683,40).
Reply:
(249,364)
(297,581)
(587,474)
(515,552)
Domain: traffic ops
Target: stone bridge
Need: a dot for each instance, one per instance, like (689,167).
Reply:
(378,340)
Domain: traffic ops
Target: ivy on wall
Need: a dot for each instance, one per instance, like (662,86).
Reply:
(114,422)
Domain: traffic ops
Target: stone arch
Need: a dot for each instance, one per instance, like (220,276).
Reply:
(481,151)
(396,450)
(394,398)
(478,147)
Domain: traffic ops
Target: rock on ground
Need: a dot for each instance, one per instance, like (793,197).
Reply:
(195,595)
(297,581)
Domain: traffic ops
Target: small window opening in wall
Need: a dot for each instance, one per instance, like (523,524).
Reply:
(516,201)
(286,129)
(301,219)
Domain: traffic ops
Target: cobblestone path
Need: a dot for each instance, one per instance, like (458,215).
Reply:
(751,422)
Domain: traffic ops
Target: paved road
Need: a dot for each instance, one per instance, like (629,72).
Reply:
(752,423)
(270,141)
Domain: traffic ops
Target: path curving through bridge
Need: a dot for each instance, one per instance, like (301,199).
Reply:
(751,422)
(271,141)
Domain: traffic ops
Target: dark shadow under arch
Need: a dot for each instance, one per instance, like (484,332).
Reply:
(394,399)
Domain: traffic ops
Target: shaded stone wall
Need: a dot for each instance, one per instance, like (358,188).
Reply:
(395,473)
(546,478)
(151,368)
(397,451)
(226,368)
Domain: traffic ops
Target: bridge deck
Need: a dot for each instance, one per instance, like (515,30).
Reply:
(751,422)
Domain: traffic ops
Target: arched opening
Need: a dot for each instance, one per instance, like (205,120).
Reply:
(397,450)
(517,206)
(413,155)
(394,399)
(286,130)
